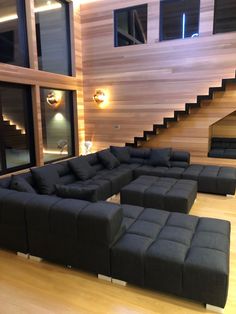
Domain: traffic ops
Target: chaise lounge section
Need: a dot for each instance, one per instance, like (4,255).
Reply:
(175,253)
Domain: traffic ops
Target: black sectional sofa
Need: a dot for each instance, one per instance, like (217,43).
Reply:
(58,212)
(223,147)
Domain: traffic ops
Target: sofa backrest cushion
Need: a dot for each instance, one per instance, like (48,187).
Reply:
(108,159)
(5,182)
(143,153)
(121,153)
(82,169)
(160,157)
(86,193)
(94,161)
(19,184)
(46,178)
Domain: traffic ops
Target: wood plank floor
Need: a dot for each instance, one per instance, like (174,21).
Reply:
(42,288)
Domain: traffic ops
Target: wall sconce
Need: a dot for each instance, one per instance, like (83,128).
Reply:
(53,100)
(88,145)
(100,98)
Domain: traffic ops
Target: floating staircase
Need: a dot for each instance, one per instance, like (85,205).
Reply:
(147,135)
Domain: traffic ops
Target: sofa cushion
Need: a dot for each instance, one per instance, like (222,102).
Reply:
(46,178)
(121,153)
(160,157)
(21,185)
(82,168)
(140,152)
(84,193)
(108,159)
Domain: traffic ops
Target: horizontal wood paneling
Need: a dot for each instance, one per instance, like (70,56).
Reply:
(146,82)
(225,127)
(193,132)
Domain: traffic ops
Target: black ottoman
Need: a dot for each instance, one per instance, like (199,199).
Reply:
(175,253)
(163,193)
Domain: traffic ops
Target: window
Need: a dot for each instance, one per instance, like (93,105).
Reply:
(13,38)
(225,16)
(179,19)
(130,26)
(53,36)
(16,141)
(57,124)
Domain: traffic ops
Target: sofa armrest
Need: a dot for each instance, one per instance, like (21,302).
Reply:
(100,223)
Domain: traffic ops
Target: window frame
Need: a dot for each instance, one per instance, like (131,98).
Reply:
(29,126)
(214,22)
(69,26)
(22,30)
(161,20)
(115,20)
(72,123)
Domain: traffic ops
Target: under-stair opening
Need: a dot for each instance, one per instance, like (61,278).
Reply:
(222,142)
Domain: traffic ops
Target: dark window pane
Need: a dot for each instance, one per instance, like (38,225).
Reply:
(225,16)
(131,26)
(57,123)
(53,37)
(13,39)
(179,19)
(16,142)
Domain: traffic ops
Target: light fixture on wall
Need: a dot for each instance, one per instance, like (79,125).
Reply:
(53,100)
(88,145)
(100,98)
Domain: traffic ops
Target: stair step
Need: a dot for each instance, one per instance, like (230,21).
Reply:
(159,126)
(130,144)
(179,113)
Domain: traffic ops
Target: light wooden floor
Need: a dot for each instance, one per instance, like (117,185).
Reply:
(43,288)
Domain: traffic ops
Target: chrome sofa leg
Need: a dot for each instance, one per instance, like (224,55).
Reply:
(35,258)
(119,282)
(214,308)
(103,277)
(23,255)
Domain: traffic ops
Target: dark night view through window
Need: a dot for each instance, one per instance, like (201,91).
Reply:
(130,26)
(179,19)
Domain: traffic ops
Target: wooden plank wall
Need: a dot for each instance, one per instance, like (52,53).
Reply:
(146,82)
(225,127)
(193,133)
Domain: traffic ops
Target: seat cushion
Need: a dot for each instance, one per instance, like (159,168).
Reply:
(46,178)
(160,157)
(82,168)
(21,185)
(108,159)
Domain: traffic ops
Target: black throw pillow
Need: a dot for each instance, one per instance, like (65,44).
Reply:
(108,159)
(46,178)
(121,153)
(82,193)
(21,185)
(160,157)
(82,169)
